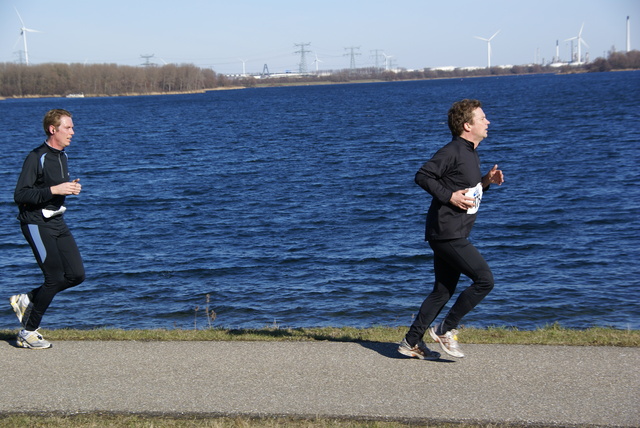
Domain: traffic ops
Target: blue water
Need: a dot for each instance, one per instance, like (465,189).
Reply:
(296,206)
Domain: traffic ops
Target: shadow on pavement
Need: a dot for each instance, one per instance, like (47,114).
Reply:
(390,350)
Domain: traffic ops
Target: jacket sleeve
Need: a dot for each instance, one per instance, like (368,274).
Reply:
(26,190)
(429,176)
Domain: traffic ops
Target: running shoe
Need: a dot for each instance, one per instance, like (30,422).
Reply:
(31,340)
(418,351)
(448,342)
(21,306)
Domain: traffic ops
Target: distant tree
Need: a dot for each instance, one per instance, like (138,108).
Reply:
(599,65)
(619,60)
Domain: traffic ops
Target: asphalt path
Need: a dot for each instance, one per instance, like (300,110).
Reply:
(519,384)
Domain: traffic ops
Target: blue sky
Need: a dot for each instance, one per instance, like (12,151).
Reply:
(223,34)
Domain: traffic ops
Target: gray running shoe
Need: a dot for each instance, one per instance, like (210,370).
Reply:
(418,351)
(21,306)
(31,340)
(448,342)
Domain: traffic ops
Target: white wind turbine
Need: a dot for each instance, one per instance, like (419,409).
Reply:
(23,32)
(316,61)
(488,47)
(386,60)
(580,41)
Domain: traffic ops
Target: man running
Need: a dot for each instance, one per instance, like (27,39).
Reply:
(453,178)
(40,194)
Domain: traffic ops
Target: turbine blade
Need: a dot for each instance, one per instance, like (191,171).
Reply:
(490,38)
(480,38)
(19,17)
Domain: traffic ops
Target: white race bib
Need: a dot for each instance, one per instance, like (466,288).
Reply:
(476,194)
(51,213)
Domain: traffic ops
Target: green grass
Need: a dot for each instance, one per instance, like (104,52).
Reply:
(549,335)
(137,421)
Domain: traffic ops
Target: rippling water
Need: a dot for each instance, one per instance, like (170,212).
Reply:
(296,206)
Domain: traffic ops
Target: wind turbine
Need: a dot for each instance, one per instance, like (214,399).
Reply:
(488,47)
(316,61)
(580,41)
(386,60)
(23,32)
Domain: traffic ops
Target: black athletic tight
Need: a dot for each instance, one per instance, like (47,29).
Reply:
(452,258)
(57,255)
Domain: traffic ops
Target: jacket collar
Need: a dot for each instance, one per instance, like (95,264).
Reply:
(54,150)
(467,143)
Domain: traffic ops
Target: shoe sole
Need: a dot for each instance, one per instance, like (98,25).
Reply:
(434,336)
(412,354)
(25,345)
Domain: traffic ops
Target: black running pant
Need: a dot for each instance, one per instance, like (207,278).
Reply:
(450,259)
(59,258)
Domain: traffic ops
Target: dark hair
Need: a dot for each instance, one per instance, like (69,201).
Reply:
(53,118)
(460,113)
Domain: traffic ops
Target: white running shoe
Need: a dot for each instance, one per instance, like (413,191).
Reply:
(31,340)
(448,342)
(21,306)
(420,350)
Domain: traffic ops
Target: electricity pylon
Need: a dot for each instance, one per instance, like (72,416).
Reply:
(353,54)
(303,61)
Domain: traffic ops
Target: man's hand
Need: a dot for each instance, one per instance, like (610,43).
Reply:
(69,188)
(494,176)
(460,200)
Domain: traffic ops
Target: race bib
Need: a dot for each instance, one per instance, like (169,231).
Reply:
(51,213)
(476,194)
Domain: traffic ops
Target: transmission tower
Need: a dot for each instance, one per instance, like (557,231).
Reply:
(303,60)
(377,53)
(265,71)
(353,54)
(146,59)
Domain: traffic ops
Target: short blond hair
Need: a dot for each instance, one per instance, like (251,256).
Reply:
(53,117)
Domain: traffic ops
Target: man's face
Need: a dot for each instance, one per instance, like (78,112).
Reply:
(61,137)
(478,130)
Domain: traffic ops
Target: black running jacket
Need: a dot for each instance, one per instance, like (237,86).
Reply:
(44,167)
(454,167)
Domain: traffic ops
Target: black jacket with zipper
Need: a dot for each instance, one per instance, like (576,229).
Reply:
(43,168)
(454,167)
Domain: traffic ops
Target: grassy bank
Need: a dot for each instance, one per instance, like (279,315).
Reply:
(548,335)
(137,421)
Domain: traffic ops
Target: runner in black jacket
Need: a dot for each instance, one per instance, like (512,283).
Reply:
(453,179)
(40,194)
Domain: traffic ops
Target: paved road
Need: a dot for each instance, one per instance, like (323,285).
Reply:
(494,383)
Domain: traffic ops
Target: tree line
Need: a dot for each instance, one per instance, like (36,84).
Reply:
(56,79)
(616,61)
